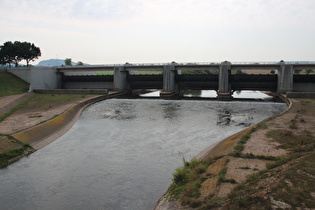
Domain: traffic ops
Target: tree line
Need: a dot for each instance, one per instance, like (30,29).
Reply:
(15,52)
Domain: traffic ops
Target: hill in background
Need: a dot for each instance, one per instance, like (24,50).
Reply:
(55,62)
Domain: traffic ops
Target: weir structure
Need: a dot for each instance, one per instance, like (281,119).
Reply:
(171,80)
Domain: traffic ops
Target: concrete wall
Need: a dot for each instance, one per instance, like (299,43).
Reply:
(39,77)
(303,87)
(22,73)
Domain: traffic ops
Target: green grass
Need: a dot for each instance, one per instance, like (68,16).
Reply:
(11,85)
(104,72)
(8,155)
(200,71)
(50,100)
(135,72)
(302,142)
(239,147)
(15,109)
(294,188)
(148,72)
(187,179)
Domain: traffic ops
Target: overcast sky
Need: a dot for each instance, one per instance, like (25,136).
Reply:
(153,31)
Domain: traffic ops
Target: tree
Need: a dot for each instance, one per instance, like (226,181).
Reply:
(18,51)
(79,63)
(7,53)
(68,62)
(29,52)
(308,71)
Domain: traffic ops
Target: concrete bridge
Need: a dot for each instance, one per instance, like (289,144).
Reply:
(172,82)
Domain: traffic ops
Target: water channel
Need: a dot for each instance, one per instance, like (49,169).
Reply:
(121,153)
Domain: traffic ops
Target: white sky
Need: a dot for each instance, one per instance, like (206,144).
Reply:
(153,31)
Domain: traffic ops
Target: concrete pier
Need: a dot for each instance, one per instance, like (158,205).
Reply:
(120,78)
(169,87)
(285,78)
(224,89)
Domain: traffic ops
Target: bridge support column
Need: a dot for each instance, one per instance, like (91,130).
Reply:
(224,90)
(120,78)
(169,86)
(285,78)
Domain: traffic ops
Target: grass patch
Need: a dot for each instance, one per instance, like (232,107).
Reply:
(35,116)
(293,123)
(298,184)
(15,108)
(10,154)
(104,72)
(294,187)
(11,85)
(135,72)
(187,181)
(238,196)
(252,156)
(50,100)
(279,161)
(262,125)
(148,72)
(222,179)
(294,142)
(240,145)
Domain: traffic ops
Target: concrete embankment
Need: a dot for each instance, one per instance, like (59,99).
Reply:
(40,135)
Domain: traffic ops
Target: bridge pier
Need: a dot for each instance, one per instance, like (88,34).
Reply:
(120,78)
(169,86)
(285,78)
(224,89)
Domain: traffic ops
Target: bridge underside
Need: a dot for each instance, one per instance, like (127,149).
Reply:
(87,81)
(197,82)
(145,81)
(253,82)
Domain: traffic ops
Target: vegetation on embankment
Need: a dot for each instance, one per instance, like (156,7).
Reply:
(287,181)
(50,100)
(13,154)
(11,85)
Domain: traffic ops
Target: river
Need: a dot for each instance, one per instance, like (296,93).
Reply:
(121,153)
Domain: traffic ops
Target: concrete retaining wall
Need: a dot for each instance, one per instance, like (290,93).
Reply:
(300,94)
(39,77)
(304,87)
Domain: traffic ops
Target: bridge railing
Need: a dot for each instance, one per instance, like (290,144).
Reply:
(170,63)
